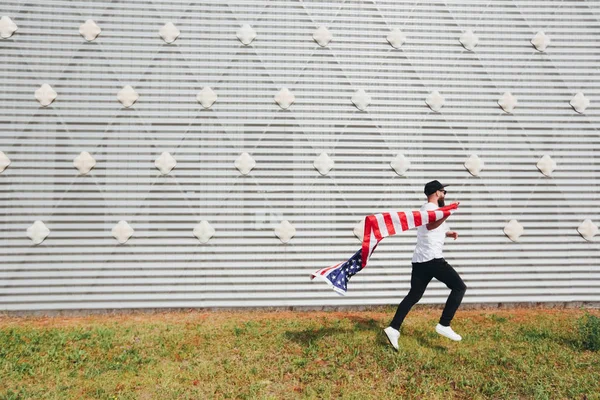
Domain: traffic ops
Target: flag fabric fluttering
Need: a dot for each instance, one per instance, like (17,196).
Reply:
(377,227)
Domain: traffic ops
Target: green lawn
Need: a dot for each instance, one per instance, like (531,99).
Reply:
(520,353)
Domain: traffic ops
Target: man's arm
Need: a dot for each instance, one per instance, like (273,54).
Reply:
(437,223)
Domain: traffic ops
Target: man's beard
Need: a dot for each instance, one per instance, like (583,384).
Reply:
(441,202)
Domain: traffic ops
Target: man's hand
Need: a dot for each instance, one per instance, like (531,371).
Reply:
(452,234)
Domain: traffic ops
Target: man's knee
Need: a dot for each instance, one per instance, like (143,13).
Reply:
(462,287)
(415,295)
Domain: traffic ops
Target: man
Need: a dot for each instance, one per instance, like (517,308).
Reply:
(428,263)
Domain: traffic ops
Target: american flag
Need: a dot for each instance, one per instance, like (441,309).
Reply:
(377,227)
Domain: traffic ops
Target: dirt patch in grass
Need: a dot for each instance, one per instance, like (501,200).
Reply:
(381,313)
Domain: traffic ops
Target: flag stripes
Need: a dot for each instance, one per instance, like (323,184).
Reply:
(377,227)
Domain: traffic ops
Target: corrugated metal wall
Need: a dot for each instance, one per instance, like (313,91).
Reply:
(80,265)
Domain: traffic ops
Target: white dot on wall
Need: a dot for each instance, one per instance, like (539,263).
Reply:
(507,102)
(400,164)
(469,40)
(435,101)
(361,99)
(38,232)
(474,165)
(546,165)
(4,161)
(579,102)
(285,98)
(514,230)
(323,164)
(245,163)
(169,32)
(84,162)
(285,231)
(396,38)
(127,96)
(587,230)
(7,27)
(322,36)
(122,231)
(540,41)
(206,97)
(246,34)
(165,163)
(45,95)
(89,30)
(204,231)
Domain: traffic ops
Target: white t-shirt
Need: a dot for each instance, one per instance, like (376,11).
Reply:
(429,242)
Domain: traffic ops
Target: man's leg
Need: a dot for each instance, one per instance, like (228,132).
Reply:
(446,274)
(420,278)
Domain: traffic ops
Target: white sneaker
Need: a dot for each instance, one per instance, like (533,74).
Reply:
(447,332)
(392,335)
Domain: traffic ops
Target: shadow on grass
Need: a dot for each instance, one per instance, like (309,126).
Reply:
(309,336)
(424,339)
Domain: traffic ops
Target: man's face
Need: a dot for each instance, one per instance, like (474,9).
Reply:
(441,197)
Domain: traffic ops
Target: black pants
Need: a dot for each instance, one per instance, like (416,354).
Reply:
(421,275)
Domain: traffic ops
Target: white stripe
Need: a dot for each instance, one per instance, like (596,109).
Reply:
(410,219)
(382,226)
(396,221)
(424,217)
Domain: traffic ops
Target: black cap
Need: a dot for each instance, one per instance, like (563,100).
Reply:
(432,187)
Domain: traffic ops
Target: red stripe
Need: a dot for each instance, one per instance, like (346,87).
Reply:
(366,238)
(371,226)
(365,255)
(325,270)
(417,218)
(389,224)
(403,221)
(374,224)
(431,216)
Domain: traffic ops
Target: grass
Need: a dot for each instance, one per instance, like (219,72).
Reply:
(516,354)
